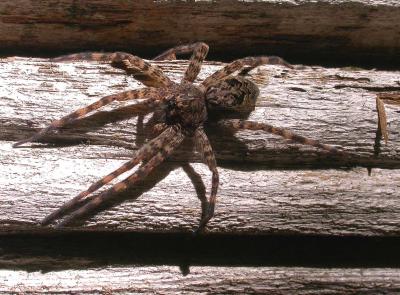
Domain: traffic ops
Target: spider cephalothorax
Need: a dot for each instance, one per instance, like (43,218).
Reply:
(184,106)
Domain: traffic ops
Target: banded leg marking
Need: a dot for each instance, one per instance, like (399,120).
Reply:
(209,159)
(238,64)
(236,124)
(166,150)
(148,74)
(199,50)
(152,95)
(145,152)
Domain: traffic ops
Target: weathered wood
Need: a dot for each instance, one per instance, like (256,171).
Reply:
(324,30)
(337,105)
(258,201)
(203,280)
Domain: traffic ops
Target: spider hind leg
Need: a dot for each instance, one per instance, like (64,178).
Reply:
(173,139)
(145,152)
(236,124)
(209,158)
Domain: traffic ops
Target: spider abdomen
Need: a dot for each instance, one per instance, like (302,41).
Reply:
(234,93)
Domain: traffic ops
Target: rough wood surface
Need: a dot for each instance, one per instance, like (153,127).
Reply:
(336,105)
(323,30)
(203,280)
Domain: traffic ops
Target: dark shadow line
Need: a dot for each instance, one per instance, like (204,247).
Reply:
(326,58)
(84,250)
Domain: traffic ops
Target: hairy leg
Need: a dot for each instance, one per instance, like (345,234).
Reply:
(248,62)
(152,96)
(199,50)
(144,153)
(149,75)
(199,186)
(167,149)
(209,158)
(171,53)
(236,124)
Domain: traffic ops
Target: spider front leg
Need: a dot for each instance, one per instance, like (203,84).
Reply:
(152,96)
(171,53)
(149,75)
(173,138)
(199,50)
(144,153)
(209,158)
(236,124)
(248,62)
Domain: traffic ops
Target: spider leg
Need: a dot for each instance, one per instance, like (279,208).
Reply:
(248,62)
(145,152)
(171,53)
(149,75)
(209,158)
(237,124)
(88,55)
(199,50)
(153,96)
(166,150)
(199,54)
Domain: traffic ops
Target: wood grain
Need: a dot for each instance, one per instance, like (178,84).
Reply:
(315,31)
(210,280)
(267,185)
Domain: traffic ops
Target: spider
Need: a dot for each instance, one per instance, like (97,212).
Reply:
(185,107)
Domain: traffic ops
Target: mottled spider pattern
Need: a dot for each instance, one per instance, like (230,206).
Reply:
(185,107)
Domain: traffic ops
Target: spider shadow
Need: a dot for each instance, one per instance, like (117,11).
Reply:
(141,187)
(143,133)
(74,132)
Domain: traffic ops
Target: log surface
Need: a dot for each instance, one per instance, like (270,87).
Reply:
(267,185)
(203,280)
(324,30)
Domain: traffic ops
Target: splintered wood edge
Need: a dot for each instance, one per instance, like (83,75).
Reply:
(251,199)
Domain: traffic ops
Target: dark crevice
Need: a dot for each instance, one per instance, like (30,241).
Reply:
(304,56)
(83,250)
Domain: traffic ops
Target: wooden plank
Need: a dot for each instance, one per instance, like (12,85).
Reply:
(210,280)
(250,201)
(149,263)
(337,105)
(300,30)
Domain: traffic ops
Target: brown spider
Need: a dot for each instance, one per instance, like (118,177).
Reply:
(185,107)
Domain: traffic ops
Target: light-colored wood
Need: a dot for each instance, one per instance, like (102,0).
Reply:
(322,30)
(203,280)
(336,105)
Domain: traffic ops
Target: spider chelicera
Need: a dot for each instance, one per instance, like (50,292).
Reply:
(185,107)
